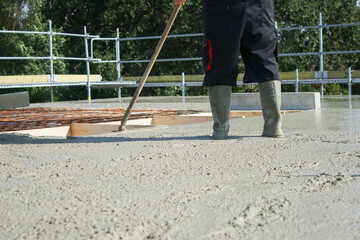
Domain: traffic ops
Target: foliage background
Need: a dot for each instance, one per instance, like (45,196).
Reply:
(148,18)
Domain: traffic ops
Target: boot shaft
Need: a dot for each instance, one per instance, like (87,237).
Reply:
(220,101)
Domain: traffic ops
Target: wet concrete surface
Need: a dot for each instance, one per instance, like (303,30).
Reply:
(178,183)
(327,101)
(341,102)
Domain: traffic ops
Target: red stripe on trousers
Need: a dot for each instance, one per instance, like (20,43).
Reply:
(210,55)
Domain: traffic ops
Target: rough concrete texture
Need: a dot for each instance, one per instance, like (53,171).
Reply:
(14,100)
(289,101)
(177,183)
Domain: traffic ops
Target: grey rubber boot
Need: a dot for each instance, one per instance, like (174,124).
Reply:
(270,96)
(220,100)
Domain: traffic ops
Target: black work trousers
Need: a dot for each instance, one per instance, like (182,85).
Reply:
(239,26)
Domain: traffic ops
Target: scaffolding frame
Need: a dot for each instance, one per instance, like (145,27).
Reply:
(320,78)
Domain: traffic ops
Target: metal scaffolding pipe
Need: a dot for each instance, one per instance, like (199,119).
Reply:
(321,52)
(24,58)
(118,64)
(182,84)
(76,35)
(51,62)
(87,66)
(297,80)
(350,81)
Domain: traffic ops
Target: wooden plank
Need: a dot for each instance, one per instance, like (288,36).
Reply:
(204,117)
(77,78)
(292,75)
(56,132)
(291,111)
(247,114)
(160,79)
(187,119)
(283,75)
(23,79)
(45,78)
(84,129)
(144,121)
(88,129)
(342,74)
(179,120)
(257,113)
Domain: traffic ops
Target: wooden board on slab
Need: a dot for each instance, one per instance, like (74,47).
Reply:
(187,119)
(88,129)
(84,129)
(55,132)
(256,113)
(203,117)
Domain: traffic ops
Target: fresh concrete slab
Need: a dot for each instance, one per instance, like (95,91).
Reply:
(177,183)
(14,100)
(289,101)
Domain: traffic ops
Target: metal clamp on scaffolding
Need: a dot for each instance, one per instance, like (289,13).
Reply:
(321,75)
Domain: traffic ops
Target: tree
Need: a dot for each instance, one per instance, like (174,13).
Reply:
(28,17)
(133,18)
(148,18)
(291,13)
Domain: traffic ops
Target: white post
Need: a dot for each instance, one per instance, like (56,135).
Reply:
(350,82)
(183,86)
(321,53)
(87,65)
(118,61)
(297,80)
(349,87)
(51,61)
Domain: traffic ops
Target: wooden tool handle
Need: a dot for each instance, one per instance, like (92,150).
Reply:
(149,67)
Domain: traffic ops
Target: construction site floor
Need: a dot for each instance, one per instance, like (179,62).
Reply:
(178,183)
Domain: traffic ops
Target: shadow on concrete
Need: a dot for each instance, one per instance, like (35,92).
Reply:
(24,139)
(314,175)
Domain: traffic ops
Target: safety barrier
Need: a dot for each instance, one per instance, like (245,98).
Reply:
(288,78)
(321,77)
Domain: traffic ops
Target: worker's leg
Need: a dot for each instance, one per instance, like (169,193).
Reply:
(220,57)
(259,52)
(221,45)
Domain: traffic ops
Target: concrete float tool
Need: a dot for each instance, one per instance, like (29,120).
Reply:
(149,67)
